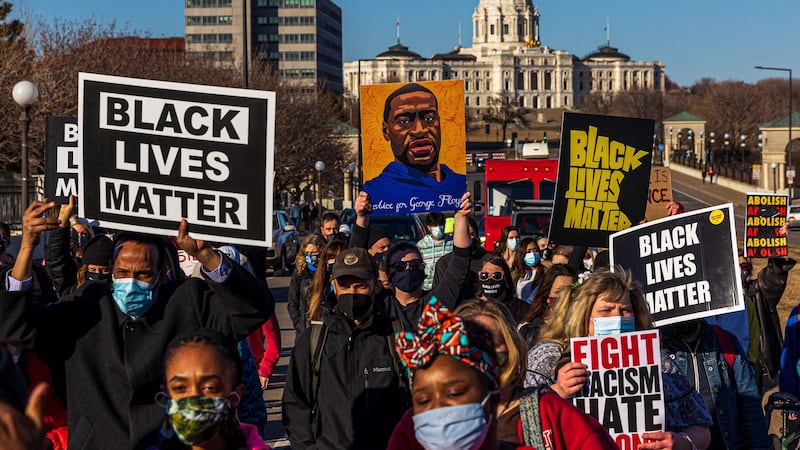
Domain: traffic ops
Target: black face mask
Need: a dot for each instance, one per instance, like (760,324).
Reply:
(354,306)
(492,289)
(408,280)
(97,276)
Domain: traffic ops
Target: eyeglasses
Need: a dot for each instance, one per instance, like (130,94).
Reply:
(485,276)
(400,266)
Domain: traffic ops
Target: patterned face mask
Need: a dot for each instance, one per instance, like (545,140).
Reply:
(196,419)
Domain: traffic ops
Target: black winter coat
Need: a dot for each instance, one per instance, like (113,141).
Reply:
(360,397)
(61,265)
(297,301)
(115,364)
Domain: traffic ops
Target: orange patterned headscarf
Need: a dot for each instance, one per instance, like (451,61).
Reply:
(441,332)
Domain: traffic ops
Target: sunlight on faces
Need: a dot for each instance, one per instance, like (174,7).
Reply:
(311,249)
(513,234)
(542,243)
(558,284)
(349,284)
(200,369)
(604,308)
(447,382)
(413,129)
(137,260)
(330,228)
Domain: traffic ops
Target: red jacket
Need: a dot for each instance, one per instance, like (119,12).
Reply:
(266,346)
(564,427)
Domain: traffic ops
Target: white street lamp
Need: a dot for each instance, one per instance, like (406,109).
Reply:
(25,94)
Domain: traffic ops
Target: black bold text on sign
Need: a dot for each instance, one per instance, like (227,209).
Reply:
(687,264)
(156,152)
(61,158)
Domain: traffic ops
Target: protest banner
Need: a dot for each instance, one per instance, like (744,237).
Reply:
(766,214)
(688,264)
(659,195)
(624,391)
(603,177)
(60,158)
(154,152)
(414,146)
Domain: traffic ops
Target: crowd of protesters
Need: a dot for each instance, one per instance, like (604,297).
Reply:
(108,343)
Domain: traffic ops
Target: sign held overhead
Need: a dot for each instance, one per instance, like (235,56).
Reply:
(152,153)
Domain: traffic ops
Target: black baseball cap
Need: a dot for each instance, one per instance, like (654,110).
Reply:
(355,262)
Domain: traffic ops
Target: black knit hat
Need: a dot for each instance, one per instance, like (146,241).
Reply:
(98,251)
(376,233)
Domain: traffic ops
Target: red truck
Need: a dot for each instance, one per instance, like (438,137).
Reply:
(506,181)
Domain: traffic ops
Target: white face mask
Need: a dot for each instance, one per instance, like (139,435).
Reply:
(511,243)
(437,232)
(460,427)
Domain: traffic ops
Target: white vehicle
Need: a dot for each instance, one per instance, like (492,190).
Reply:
(533,150)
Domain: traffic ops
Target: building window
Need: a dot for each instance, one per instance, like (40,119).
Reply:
(193,20)
(534,80)
(505,28)
(476,29)
(477,101)
(466,101)
(226,38)
(466,85)
(290,3)
(491,29)
(548,102)
(548,81)
(225,20)
(488,85)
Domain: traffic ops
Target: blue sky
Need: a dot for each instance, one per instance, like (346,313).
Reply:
(721,39)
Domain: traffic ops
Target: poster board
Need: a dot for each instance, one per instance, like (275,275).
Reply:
(659,194)
(61,158)
(624,391)
(687,264)
(603,177)
(414,146)
(154,152)
(765,215)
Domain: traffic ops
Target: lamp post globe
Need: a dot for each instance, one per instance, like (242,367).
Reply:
(25,94)
(319,166)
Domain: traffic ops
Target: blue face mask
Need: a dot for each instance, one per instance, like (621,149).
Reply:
(437,232)
(605,326)
(532,259)
(133,297)
(311,261)
(460,427)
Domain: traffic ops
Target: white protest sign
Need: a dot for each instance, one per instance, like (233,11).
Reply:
(152,153)
(624,391)
(687,264)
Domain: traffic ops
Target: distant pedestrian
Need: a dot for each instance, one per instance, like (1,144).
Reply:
(306,215)
(703,175)
(294,213)
(710,175)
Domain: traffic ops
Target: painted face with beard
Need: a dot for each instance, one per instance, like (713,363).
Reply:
(412,128)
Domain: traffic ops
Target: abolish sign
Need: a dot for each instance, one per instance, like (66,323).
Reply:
(624,392)
(153,153)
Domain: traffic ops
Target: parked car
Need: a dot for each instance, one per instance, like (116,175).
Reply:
(399,227)
(280,257)
(532,217)
(793,219)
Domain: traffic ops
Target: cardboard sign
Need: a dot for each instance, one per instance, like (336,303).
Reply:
(624,392)
(61,158)
(687,264)
(766,214)
(414,146)
(603,178)
(659,194)
(152,153)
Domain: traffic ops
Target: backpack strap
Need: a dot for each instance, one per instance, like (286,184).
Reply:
(531,417)
(318,330)
(726,345)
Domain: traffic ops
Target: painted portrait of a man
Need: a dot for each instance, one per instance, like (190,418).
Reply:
(416,177)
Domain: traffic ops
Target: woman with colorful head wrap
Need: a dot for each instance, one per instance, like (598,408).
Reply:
(455,379)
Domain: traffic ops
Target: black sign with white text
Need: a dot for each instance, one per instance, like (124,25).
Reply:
(687,264)
(61,158)
(153,153)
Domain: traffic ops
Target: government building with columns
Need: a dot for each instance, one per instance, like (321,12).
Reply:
(508,59)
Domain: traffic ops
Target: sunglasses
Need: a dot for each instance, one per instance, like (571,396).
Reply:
(485,276)
(400,266)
